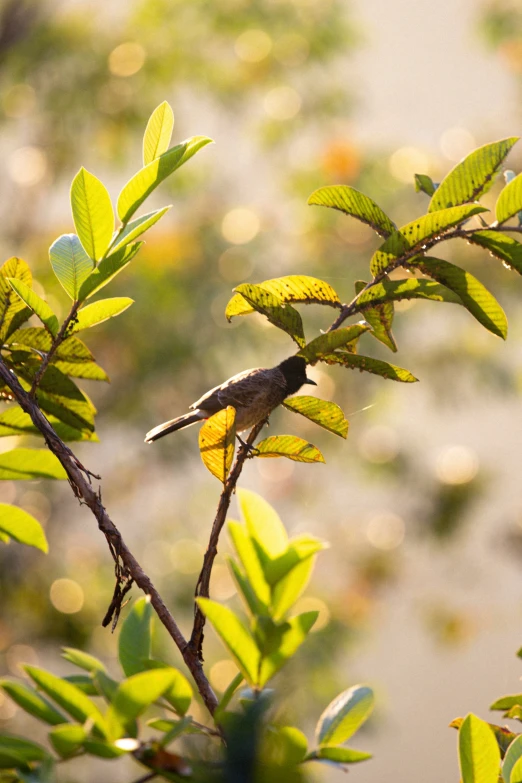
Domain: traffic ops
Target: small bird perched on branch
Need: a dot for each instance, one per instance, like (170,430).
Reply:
(253,393)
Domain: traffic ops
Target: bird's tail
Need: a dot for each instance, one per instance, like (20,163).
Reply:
(172,426)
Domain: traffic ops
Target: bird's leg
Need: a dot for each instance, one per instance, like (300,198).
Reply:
(251,450)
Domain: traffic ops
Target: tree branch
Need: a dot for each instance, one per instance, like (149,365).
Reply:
(57,341)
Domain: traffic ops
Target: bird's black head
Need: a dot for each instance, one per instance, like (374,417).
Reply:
(294,370)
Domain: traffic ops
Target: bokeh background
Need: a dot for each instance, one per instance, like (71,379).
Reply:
(420,594)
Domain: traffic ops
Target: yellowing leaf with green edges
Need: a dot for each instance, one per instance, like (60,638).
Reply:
(282,315)
(98,312)
(345,337)
(11,305)
(92,212)
(138,227)
(475,297)
(148,178)
(235,636)
(22,527)
(288,446)
(107,269)
(216,442)
(510,200)
(325,414)
(368,364)
(479,754)
(380,319)
(415,234)
(158,132)
(30,464)
(36,304)
(70,263)
(352,202)
(501,246)
(300,289)
(473,176)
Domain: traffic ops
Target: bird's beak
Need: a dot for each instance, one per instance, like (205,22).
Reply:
(309,380)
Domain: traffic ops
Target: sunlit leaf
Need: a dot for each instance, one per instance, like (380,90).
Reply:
(285,746)
(345,337)
(299,549)
(67,739)
(14,421)
(84,682)
(510,200)
(262,522)
(288,589)
(282,315)
(425,184)
(256,590)
(98,312)
(288,446)
(410,288)
(326,414)
(72,349)
(216,442)
(235,636)
(479,754)
(356,204)
(368,364)
(88,370)
(30,464)
(380,319)
(11,305)
(293,634)
(345,715)
(134,643)
(18,752)
(134,695)
(138,227)
(22,527)
(70,263)
(60,397)
(83,660)
(158,132)
(294,288)
(501,246)
(32,702)
(473,176)
(179,695)
(506,702)
(148,178)
(107,269)
(36,304)
(92,214)
(513,755)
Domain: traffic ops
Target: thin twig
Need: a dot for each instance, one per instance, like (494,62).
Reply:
(57,341)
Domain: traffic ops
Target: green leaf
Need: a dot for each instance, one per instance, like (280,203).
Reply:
(98,312)
(413,236)
(424,184)
(235,636)
(501,246)
(158,132)
(31,701)
(104,684)
(67,696)
(282,315)
(516,772)
(288,589)
(19,752)
(512,756)
(72,349)
(88,370)
(30,464)
(345,715)
(67,739)
(326,414)
(506,702)
(180,694)
(293,634)
(11,307)
(83,682)
(107,269)
(148,178)
(255,588)
(475,297)
(70,263)
(410,288)
(479,754)
(294,288)
(134,644)
(262,522)
(83,660)
(510,200)
(36,304)
(345,337)
(368,364)
(138,227)
(216,442)
(380,319)
(22,527)
(472,177)
(338,755)
(104,750)
(229,692)
(288,446)
(134,695)
(15,422)
(356,204)
(284,746)
(60,397)
(92,214)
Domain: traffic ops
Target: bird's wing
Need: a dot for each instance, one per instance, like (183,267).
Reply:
(219,397)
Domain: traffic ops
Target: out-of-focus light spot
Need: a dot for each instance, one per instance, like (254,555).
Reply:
(341,160)
(66,596)
(282,103)
(127,743)
(234,265)
(275,470)
(27,166)
(186,556)
(385,531)
(379,444)
(221,674)
(252,46)
(408,161)
(7,707)
(511,50)
(240,225)
(18,654)
(457,465)
(310,604)
(291,50)
(455,143)
(156,558)
(223,586)
(19,100)
(127,59)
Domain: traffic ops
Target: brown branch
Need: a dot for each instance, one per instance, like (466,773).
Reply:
(126,564)
(203,583)
(57,341)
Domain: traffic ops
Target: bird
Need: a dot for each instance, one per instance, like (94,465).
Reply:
(253,393)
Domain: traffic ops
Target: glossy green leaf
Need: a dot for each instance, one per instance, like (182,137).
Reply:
(32,702)
(83,660)
(93,215)
(67,739)
(148,178)
(356,204)
(134,644)
(424,184)
(512,756)
(235,636)
(326,414)
(368,364)
(36,304)
(68,697)
(134,695)
(70,263)
(299,549)
(288,589)
(19,752)
(413,236)
(282,315)
(14,421)
(345,715)
(473,176)
(509,202)
(345,337)
(22,527)
(479,755)
(98,312)
(339,755)
(288,446)
(216,442)
(158,132)
(256,590)
(294,288)
(262,522)
(380,319)
(137,227)
(11,306)
(179,695)
(245,591)
(107,269)
(475,297)
(30,464)
(293,634)
(501,246)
